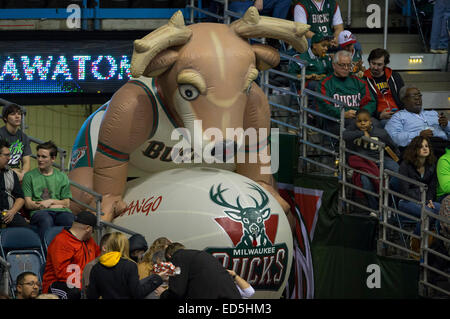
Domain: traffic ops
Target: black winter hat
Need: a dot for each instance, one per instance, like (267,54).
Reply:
(137,242)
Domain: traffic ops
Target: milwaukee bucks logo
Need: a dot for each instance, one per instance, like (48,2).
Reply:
(252,218)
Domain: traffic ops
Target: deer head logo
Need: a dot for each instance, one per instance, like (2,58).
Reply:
(252,218)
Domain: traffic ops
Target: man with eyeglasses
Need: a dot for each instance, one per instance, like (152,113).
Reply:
(27,286)
(414,121)
(349,89)
(11,194)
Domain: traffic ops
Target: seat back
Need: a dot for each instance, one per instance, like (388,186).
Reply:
(25,260)
(19,238)
(50,234)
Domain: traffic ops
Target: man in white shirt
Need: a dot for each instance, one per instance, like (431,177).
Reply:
(414,121)
(324,16)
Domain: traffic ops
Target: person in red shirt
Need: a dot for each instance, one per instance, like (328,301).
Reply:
(384,84)
(67,255)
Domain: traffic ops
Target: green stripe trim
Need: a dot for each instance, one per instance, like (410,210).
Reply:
(111,156)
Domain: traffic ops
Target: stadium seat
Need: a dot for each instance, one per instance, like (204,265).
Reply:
(24,260)
(22,248)
(50,234)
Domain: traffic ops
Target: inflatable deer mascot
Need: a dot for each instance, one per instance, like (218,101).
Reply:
(181,75)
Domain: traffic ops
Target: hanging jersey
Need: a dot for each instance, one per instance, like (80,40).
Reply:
(154,155)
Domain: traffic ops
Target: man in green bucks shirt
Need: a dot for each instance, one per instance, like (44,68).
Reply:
(342,86)
(47,191)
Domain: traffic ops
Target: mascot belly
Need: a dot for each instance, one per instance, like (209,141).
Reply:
(221,212)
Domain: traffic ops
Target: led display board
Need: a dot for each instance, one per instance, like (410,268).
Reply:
(64,67)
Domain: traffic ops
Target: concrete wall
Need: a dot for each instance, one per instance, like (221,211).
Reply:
(59,123)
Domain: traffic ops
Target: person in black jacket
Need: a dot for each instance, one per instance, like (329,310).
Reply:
(115,276)
(202,276)
(419,163)
(138,247)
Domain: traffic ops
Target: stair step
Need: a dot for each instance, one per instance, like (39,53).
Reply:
(396,43)
(426,76)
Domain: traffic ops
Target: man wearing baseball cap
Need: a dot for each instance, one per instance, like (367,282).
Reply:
(67,255)
(347,42)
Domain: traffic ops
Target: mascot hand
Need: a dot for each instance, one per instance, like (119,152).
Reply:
(285,205)
(112,206)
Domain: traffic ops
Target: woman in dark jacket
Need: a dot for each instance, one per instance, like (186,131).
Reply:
(115,276)
(419,163)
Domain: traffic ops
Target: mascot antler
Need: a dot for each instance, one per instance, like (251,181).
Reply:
(252,25)
(145,50)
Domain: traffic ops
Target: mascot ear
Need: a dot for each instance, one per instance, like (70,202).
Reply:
(266,56)
(161,63)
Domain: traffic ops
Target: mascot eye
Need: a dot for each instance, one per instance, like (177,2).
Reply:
(188,91)
(245,220)
(259,220)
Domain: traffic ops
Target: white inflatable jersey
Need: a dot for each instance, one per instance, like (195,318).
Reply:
(154,155)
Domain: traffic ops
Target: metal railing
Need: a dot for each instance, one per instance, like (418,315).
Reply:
(428,285)
(4,280)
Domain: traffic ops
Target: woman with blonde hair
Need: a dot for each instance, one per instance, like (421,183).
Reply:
(145,267)
(115,276)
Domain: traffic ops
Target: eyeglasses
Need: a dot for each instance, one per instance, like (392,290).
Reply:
(31,284)
(345,65)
